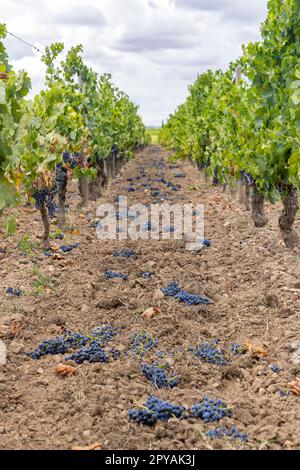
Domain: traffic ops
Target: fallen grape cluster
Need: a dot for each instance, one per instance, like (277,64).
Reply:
(173,290)
(59,345)
(209,352)
(90,348)
(69,248)
(94,352)
(211,410)
(233,433)
(142,342)
(14,292)
(155,409)
(125,253)
(276,369)
(115,275)
(105,334)
(157,374)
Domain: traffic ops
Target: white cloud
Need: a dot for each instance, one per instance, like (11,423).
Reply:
(153,48)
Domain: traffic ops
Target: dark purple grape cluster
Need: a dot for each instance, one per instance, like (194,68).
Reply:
(51,206)
(94,352)
(114,275)
(115,353)
(173,290)
(105,334)
(179,175)
(114,150)
(61,177)
(130,189)
(157,374)
(59,345)
(40,197)
(237,349)
(173,187)
(162,180)
(222,432)
(77,160)
(72,160)
(142,342)
(14,292)
(155,410)
(247,178)
(67,158)
(210,353)
(45,197)
(68,248)
(210,410)
(276,369)
(125,253)
(207,243)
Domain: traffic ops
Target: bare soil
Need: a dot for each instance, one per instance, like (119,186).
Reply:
(252,278)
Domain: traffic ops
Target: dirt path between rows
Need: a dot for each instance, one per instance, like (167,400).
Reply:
(252,278)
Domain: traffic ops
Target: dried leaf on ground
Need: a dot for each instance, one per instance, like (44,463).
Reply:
(151,312)
(15,328)
(295,387)
(54,247)
(65,370)
(256,351)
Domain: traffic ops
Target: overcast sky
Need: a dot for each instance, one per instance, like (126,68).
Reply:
(153,48)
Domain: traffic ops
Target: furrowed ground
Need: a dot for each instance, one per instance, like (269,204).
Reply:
(252,278)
